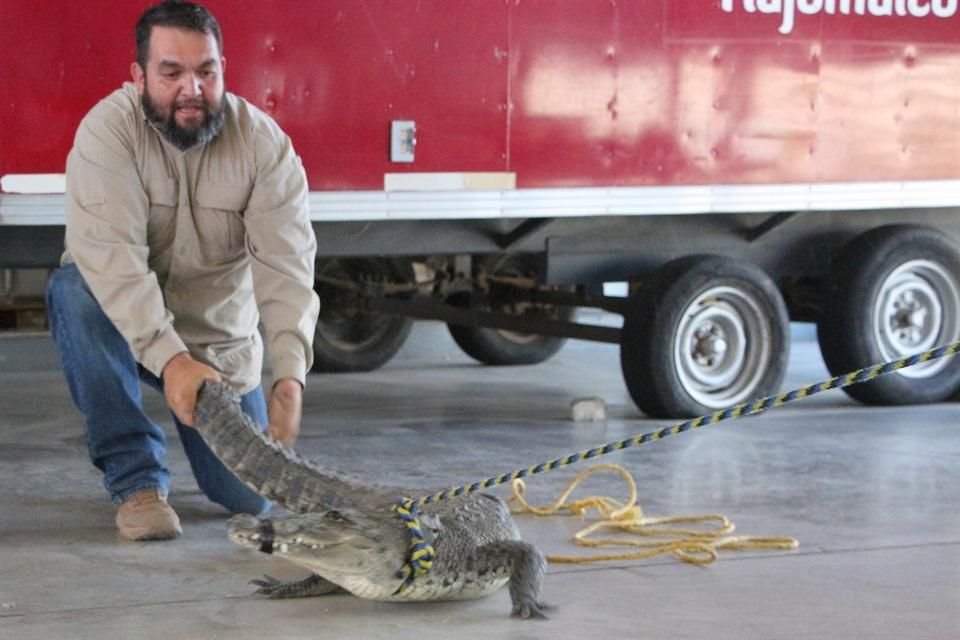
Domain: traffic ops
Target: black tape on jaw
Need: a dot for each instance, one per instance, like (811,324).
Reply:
(266,536)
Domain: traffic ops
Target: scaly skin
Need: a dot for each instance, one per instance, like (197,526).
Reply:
(347,533)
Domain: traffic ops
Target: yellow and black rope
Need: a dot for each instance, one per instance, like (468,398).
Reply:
(420,557)
(421,554)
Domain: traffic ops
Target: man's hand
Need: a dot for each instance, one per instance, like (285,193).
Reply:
(285,409)
(182,379)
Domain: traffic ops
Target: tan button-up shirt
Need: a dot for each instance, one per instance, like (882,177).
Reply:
(189,250)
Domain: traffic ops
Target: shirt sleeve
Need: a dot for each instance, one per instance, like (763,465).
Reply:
(282,247)
(106,237)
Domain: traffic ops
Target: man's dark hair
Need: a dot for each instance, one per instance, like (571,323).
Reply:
(178,14)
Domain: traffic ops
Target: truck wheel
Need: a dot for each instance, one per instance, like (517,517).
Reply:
(894,292)
(705,334)
(501,347)
(347,338)
(496,346)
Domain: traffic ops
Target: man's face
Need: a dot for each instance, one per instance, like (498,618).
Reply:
(182,87)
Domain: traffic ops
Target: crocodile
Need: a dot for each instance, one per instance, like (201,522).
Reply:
(348,534)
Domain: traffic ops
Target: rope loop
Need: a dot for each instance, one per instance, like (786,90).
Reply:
(421,554)
(649,536)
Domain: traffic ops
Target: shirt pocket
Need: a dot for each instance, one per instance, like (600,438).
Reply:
(161,223)
(219,220)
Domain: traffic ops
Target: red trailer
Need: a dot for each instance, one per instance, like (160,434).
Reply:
(491,163)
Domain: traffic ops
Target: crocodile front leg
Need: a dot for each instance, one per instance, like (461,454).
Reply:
(315,585)
(527,567)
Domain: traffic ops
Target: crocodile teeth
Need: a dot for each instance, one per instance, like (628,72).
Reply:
(255,536)
(283,547)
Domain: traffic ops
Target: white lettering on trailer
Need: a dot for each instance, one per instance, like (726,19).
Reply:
(789,8)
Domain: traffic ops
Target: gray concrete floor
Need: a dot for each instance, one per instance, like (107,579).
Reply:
(871,493)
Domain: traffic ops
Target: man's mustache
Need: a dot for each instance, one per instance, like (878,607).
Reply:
(194,103)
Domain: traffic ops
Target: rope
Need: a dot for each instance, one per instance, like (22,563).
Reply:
(420,557)
(408,507)
(653,535)
(739,411)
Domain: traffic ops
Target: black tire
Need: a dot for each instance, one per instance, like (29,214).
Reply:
(500,347)
(894,291)
(348,339)
(678,331)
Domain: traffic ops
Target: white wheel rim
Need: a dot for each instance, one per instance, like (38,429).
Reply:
(917,309)
(722,347)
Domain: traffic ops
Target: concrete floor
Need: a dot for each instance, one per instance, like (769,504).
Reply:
(871,493)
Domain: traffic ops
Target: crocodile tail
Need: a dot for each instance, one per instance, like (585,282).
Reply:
(270,469)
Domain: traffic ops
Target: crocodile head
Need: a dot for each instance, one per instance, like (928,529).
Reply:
(336,544)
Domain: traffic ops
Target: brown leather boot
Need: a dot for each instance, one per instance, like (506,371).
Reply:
(147,516)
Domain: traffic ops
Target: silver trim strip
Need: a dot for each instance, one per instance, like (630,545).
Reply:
(363,206)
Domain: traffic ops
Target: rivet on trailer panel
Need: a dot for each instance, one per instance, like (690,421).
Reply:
(910,56)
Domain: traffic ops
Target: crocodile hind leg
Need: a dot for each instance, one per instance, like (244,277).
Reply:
(315,585)
(527,567)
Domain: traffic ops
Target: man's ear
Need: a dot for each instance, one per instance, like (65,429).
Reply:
(223,64)
(139,77)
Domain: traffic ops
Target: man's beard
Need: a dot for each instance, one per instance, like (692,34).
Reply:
(180,137)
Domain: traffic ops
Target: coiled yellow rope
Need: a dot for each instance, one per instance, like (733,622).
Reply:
(653,536)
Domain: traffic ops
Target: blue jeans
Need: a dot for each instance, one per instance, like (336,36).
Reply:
(104,380)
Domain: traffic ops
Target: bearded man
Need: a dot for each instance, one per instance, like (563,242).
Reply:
(187,225)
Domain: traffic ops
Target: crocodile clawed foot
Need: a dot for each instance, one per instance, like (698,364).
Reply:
(269,586)
(313,585)
(530,610)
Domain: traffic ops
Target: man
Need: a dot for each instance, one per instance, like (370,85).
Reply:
(187,224)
